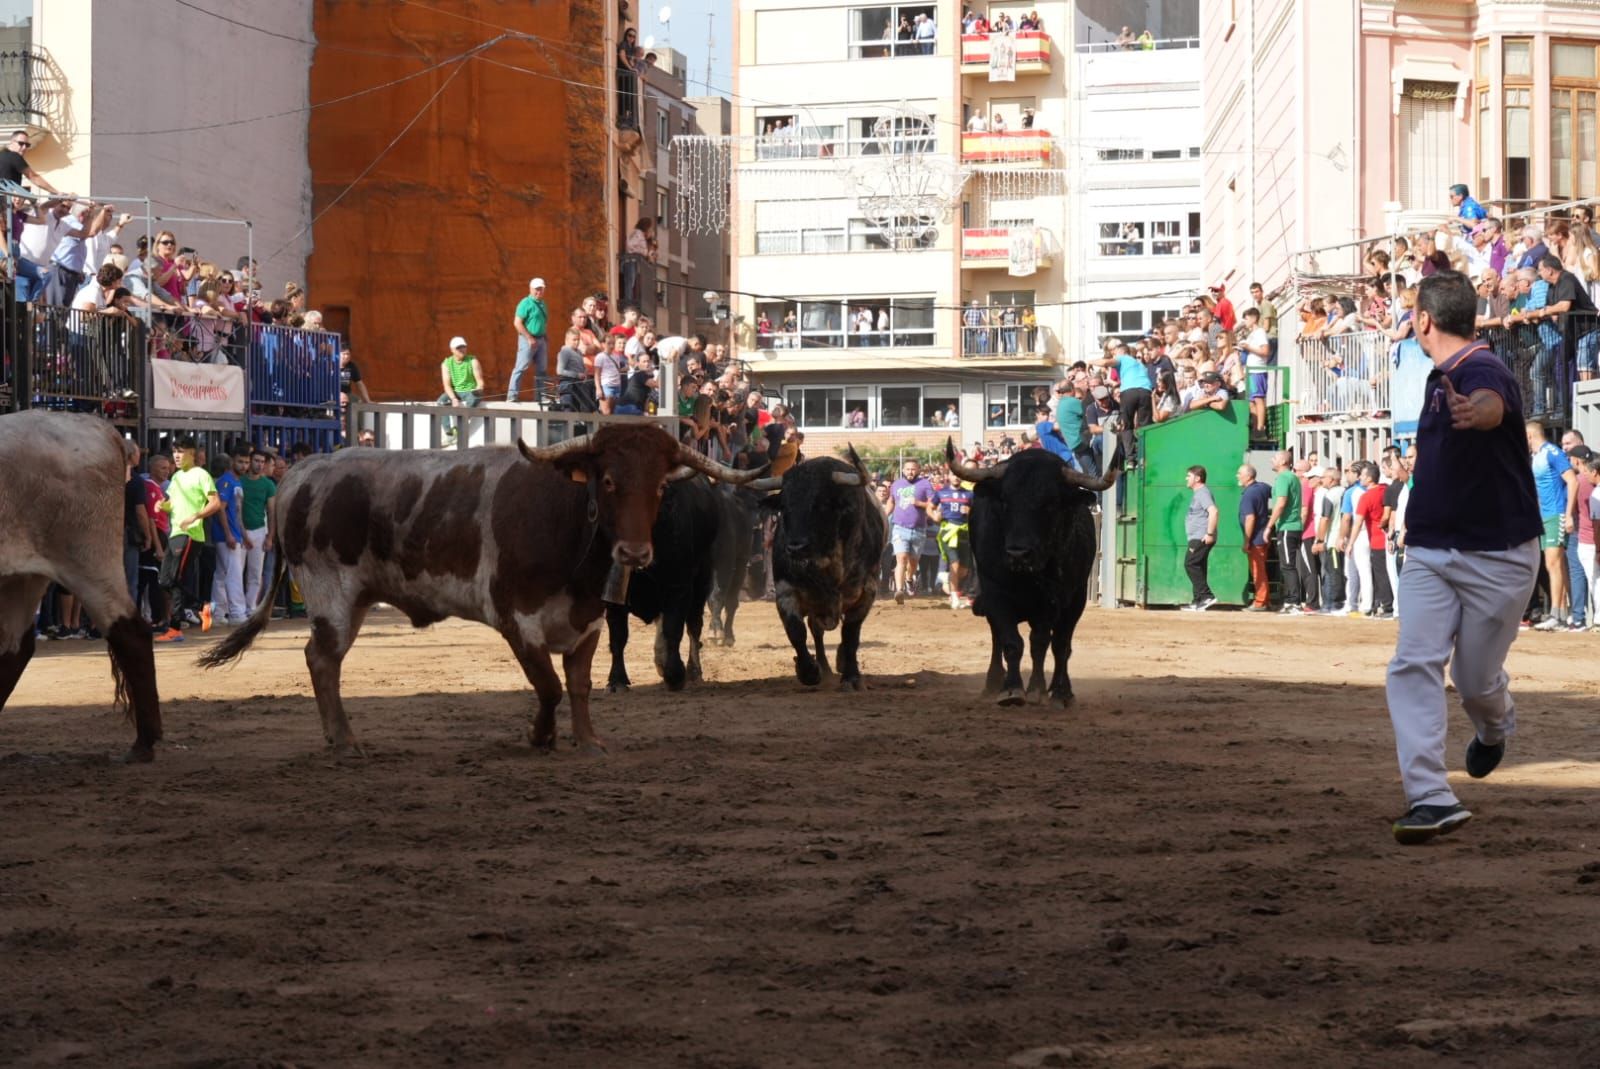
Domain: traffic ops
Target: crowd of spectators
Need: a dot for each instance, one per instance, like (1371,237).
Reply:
(1538,282)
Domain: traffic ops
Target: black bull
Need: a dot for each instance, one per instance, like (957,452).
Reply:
(826,547)
(1033,540)
(702,544)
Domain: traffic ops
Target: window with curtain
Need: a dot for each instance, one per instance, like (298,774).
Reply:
(1518,143)
(1427,144)
(1573,69)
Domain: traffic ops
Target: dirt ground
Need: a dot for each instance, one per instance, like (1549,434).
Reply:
(1192,867)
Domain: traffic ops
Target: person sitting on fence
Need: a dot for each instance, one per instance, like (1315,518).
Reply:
(462,376)
(350,382)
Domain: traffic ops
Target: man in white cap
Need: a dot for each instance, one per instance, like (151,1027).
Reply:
(463,380)
(529,320)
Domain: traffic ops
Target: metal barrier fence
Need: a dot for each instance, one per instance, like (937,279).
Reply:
(1346,376)
(1350,376)
(999,341)
(294,369)
(83,361)
(424,426)
(1545,358)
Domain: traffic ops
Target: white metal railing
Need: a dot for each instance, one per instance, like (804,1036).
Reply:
(420,425)
(1159,45)
(1343,377)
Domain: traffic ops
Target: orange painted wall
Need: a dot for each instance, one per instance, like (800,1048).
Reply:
(502,179)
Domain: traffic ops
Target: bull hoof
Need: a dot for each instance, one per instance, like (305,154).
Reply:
(594,747)
(347,748)
(138,755)
(696,675)
(1062,701)
(851,683)
(543,741)
(675,683)
(1012,698)
(808,672)
(727,640)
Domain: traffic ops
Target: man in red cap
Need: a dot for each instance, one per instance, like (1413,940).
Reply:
(1224,309)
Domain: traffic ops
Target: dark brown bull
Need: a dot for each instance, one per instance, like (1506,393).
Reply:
(61,521)
(524,543)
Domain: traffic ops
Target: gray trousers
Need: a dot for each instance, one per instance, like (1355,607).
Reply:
(1463,608)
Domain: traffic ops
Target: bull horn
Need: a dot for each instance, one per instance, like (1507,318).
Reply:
(971,473)
(845,478)
(856,461)
(720,472)
(762,486)
(1098,484)
(680,473)
(579,444)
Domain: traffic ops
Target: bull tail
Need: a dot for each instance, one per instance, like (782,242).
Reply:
(233,647)
(120,702)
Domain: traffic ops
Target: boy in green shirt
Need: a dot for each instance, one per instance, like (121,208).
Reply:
(1284,528)
(191,498)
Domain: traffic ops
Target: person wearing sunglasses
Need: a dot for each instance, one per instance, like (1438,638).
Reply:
(14,166)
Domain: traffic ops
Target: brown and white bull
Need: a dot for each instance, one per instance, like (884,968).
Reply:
(522,541)
(61,483)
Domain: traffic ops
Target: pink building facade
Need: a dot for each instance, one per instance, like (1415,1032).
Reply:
(1331,120)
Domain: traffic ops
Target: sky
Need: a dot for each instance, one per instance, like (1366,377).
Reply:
(687,33)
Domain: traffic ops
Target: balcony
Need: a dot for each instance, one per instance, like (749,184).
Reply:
(25,78)
(991,246)
(1014,148)
(1032,51)
(627,99)
(636,284)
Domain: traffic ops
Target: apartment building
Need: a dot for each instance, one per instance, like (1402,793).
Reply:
(664,292)
(1325,122)
(1136,204)
(885,327)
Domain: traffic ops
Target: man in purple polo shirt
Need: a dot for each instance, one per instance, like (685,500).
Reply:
(1472,555)
(913,503)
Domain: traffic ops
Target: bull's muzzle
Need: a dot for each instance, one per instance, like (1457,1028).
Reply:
(1022,558)
(799,550)
(633,554)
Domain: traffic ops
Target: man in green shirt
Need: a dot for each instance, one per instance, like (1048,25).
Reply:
(463,380)
(1284,528)
(531,346)
(191,498)
(258,490)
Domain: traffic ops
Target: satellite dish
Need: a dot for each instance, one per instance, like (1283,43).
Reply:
(649,43)
(664,16)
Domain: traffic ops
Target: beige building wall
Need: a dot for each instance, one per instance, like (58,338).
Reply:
(150,98)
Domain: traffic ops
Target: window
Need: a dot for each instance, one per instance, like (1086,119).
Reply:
(900,406)
(1130,324)
(1517,142)
(1167,237)
(1572,120)
(816,406)
(845,322)
(888,32)
(663,218)
(1121,239)
(1427,144)
(1518,60)
(1166,154)
(1114,155)
(663,128)
(1480,62)
(874,135)
(865,236)
(1011,404)
(1485,156)
(780,233)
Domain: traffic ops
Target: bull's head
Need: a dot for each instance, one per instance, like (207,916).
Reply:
(626,468)
(1028,508)
(811,497)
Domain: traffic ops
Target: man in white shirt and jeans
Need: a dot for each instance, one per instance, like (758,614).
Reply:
(1257,346)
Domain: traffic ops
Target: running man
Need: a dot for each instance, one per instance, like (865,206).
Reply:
(955,536)
(1472,555)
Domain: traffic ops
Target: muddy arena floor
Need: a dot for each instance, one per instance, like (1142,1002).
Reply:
(1191,867)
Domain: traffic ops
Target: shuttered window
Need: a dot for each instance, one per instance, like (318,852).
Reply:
(1427,145)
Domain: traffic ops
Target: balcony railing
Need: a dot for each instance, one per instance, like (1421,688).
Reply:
(294,369)
(83,361)
(627,99)
(1344,377)
(23,76)
(991,246)
(995,339)
(1008,146)
(1032,52)
(1545,357)
(1158,45)
(636,283)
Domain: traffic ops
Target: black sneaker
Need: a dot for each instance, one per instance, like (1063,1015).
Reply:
(1426,822)
(1482,758)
